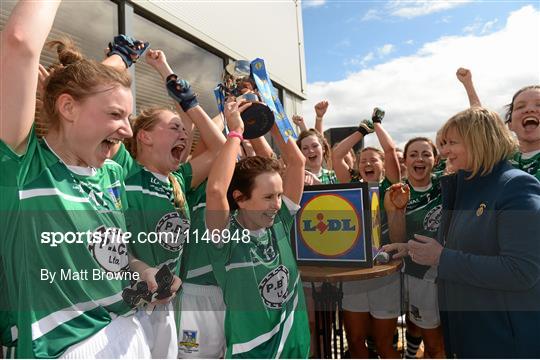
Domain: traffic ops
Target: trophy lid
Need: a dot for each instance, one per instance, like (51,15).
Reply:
(239,68)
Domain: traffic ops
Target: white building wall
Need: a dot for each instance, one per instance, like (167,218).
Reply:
(271,30)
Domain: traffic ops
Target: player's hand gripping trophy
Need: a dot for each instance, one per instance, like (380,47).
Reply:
(238,82)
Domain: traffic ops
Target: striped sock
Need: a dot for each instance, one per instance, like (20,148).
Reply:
(395,340)
(372,349)
(413,343)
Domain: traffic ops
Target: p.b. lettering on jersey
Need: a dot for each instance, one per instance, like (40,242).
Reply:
(273,288)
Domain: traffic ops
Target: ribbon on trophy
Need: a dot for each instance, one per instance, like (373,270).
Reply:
(219,93)
(269,95)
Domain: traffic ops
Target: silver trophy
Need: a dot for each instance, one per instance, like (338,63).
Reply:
(237,81)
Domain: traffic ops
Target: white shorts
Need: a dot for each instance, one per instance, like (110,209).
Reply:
(122,338)
(160,330)
(421,302)
(380,296)
(201,331)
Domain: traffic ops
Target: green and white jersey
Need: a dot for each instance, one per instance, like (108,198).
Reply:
(53,293)
(266,316)
(158,229)
(528,162)
(196,264)
(327,176)
(440,167)
(423,216)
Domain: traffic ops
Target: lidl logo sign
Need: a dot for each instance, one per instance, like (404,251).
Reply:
(330,226)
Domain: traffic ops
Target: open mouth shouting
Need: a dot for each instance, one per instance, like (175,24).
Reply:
(530,123)
(108,144)
(177,151)
(419,170)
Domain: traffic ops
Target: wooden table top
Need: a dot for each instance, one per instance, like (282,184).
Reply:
(339,274)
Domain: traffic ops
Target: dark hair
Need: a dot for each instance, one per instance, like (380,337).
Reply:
(312,132)
(420,138)
(510,107)
(245,172)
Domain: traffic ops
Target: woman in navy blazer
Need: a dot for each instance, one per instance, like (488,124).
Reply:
(488,248)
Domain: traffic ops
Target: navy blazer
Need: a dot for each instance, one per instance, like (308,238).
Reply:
(489,269)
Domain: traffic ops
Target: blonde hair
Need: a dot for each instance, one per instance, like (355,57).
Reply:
(147,120)
(487,140)
(76,76)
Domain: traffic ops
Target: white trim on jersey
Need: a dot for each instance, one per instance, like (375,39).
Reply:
(139,188)
(252,344)
(287,327)
(242,265)
(28,194)
(200,205)
(199,271)
(57,318)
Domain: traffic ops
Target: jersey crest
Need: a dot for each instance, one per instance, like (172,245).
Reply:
(274,287)
(109,251)
(175,229)
(433,219)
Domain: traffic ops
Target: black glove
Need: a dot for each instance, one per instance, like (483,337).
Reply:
(365,127)
(125,47)
(181,91)
(378,115)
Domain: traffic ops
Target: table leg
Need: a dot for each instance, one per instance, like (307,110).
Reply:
(328,320)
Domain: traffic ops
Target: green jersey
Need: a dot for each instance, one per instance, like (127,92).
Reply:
(158,229)
(196,264)
(327,176)
(528,162)
(266,316)
(440,167)
(423,216)
(63,260)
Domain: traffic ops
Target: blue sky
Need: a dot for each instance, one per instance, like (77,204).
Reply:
(402,55)
(339,36)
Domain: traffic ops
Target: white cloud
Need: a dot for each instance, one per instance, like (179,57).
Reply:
(360,60)
(480,27)
(444,20)
(414,8)
(409,42)
(420,92)
(488,26)
(312,3)
(385,50)
(371,14)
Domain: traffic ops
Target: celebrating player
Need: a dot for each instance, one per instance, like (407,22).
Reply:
(53,303)
(250,212)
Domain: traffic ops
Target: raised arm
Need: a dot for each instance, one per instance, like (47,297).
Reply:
(158,60)
(320,110)
(298,120)
(261,147)
(340,151)
(21,42)
(391,162)
(181,91)
(221,173)
(465,77)
(293,184)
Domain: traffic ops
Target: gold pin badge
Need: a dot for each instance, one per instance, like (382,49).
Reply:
(480,209)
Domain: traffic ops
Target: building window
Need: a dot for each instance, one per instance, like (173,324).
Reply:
(91,37)
(201,68)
